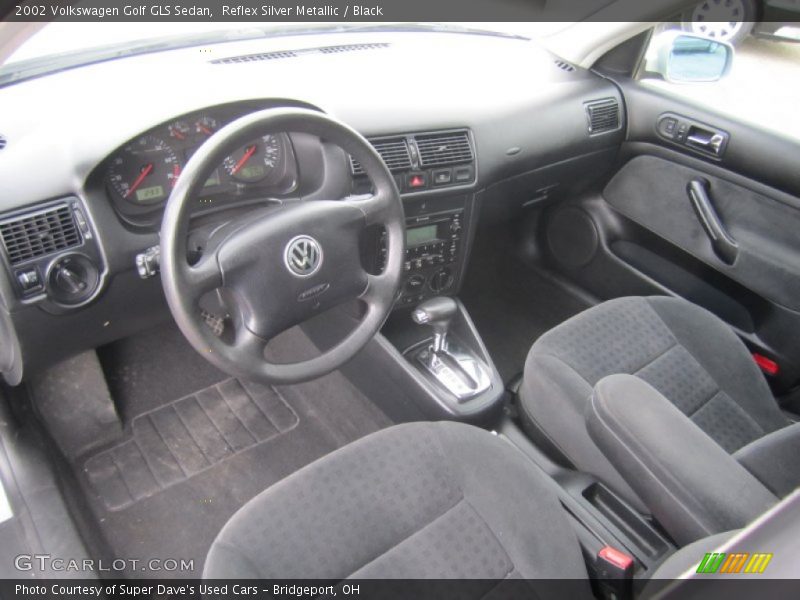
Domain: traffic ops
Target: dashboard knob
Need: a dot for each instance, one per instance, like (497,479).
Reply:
(71,279)
(441,280)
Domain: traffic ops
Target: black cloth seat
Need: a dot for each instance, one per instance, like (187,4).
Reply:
(685,352)
(423,500)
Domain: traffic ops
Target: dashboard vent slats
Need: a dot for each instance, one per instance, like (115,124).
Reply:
(436,150)
(394,153)
(351,48)
(603,115)
(37,234)
(259,56)
(246,58)
(564,66)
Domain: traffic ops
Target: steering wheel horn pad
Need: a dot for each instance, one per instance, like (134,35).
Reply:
(270,294)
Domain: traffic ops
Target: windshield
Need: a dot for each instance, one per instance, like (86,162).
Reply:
(57,46)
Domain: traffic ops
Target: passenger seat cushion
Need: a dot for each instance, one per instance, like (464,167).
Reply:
(682,350)
(438,500)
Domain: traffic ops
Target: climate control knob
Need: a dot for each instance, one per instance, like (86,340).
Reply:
(441,280)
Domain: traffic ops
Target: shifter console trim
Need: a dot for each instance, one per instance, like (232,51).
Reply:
(456,371)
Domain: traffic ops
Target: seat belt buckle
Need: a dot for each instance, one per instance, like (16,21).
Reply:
(614,570)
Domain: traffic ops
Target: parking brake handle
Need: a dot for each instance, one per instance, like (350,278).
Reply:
(724,246)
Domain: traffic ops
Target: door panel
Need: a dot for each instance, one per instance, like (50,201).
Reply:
(752,152)
(654,192)
(653,238)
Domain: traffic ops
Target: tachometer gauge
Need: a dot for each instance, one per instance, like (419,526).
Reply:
(255,161)
(145,171)
(206,126)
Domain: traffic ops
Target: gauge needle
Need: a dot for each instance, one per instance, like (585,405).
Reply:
(176,171)
(250,151)
(144,173)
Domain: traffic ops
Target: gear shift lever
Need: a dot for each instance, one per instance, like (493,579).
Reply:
(438,313)
(457,370)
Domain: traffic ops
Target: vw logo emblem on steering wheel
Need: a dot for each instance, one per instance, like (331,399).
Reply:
(303,256)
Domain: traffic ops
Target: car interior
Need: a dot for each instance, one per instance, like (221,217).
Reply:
(398,303)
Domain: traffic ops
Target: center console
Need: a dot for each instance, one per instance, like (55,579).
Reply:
(435,248)
(435,173)
(434,362)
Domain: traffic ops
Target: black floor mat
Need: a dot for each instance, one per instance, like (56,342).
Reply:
(190,460)
(147,370)
(512,304)
(179,440)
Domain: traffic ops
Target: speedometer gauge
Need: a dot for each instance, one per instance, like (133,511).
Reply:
(255,161)
(144,171)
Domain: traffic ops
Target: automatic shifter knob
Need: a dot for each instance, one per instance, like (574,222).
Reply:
(436,312)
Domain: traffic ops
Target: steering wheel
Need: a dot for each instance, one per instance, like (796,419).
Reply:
(283,266)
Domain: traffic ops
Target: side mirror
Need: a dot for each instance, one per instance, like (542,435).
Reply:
(688,58)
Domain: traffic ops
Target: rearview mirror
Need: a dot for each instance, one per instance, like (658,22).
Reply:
(688,58)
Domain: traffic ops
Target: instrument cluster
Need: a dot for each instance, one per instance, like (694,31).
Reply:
(140,175)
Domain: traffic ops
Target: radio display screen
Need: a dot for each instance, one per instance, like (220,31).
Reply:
(416,236)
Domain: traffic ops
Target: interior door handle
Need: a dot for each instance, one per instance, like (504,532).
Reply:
(711,142)
(725,247)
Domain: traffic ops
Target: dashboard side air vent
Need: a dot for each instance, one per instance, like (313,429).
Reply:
(440,149)
(394,152)
(603,115)
(39,233)
(246,58)
(564,66)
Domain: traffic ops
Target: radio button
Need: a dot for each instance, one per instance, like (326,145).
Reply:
(464,174)
(415,284)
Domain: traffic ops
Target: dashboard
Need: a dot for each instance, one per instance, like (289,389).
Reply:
(140,175)
(464,131)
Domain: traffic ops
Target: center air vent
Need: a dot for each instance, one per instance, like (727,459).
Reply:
(36,234)
(603,115)
(393,151)
(440,149)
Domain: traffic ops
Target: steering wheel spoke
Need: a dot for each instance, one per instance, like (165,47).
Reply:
(378,286)
(205,276)
(249,343)
(375,207)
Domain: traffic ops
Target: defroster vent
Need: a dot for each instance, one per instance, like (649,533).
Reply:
(39,233)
